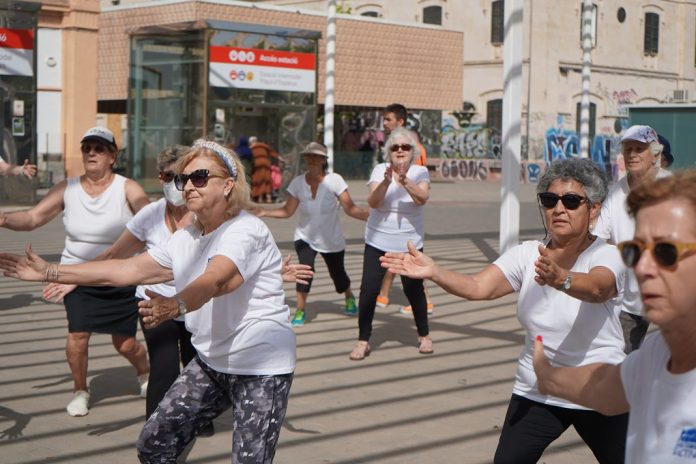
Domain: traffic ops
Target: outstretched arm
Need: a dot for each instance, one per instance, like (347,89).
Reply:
(48,208)
(488,284)
(596,386)
(141,269)
(351,208)
(285,211)
(27,170)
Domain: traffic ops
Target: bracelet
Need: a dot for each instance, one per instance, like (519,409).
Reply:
(51,273)
(21,171)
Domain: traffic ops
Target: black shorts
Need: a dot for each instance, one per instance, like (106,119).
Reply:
(109,310)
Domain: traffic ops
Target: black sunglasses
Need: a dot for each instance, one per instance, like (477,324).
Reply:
(666,253)
(167,176)
(199,178)
(98,148)
(402,146)
(570,200)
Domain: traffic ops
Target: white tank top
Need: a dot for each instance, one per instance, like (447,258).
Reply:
(93,224)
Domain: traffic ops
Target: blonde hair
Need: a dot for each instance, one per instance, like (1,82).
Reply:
(238,199)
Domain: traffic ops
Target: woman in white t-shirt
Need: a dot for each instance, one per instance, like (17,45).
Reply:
(657,383)
(227,273)
(568,291)
(319,196)
(398,191)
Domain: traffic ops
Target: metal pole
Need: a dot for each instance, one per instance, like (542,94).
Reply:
(329,82)
(586,71)
(512,117)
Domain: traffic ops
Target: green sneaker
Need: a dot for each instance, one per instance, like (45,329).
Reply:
(298,318)
(351,308)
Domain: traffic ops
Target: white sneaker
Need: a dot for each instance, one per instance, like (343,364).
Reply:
(142,380)
(79,405)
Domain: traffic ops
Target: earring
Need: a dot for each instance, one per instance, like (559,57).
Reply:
(227,193)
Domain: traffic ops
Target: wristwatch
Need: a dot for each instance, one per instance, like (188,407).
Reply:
(568,281)
(182,307)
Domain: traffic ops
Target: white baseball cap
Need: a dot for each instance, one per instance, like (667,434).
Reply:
(101,134)
(645,134)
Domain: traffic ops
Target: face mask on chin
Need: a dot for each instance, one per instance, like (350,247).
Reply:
(173,196)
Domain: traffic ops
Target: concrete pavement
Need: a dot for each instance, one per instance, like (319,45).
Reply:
(395,407)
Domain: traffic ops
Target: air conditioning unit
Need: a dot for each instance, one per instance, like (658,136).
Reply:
(680,95)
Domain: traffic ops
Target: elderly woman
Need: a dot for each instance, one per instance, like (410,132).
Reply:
(227,273)
(96,207)
(398,191)
(567,291)
(319,196)
(658,382)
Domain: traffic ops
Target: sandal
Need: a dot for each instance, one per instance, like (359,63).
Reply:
(426,345)
(360,352)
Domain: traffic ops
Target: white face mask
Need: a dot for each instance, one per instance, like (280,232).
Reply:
(173,196)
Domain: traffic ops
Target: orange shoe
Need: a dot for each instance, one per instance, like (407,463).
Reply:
(382,301)
(409,310)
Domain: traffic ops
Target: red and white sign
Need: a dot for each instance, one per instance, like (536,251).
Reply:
(253,68)
(16,52)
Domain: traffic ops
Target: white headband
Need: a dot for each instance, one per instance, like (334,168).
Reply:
(225,154)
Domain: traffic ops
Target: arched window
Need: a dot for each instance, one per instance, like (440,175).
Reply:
(592,121)
(370,14)
(494,115)
(432,15)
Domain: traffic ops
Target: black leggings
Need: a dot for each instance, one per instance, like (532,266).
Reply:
(530,427)
(373,274)
(334,261)
(168,346)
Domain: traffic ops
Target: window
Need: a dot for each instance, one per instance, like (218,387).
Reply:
(593,118)
(593,25)
(432,15)
(497,22)
(494,115)
(651,38)
(371,14)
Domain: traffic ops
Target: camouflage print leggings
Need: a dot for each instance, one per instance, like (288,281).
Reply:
(199,395)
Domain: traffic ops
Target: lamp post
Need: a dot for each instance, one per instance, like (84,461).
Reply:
(586,73)
(512,117)
(329,82)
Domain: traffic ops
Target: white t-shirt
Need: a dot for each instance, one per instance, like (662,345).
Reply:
(93,224)
(149,226)
(575,332)
(662,422)
(398,219)
(319,224)
(616,225)
(244,332)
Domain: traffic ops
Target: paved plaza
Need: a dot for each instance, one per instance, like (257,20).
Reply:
(396,406)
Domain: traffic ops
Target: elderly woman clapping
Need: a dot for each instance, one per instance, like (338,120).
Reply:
(568,291)
(227,273)
(398,191)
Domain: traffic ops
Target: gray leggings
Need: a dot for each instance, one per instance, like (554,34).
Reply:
(199,395)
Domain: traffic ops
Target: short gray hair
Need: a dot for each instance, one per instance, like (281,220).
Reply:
(170,154)
(583,170)
(401,132)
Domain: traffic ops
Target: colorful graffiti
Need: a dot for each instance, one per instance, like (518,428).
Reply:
(487,170)
(560,143)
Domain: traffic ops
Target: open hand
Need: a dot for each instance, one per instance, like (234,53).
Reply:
(28,170)
(413,264)
(547,271)
(31,267)
(55,292)
(157,309)
(297,273)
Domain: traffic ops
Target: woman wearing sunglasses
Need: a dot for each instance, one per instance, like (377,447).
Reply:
(568,291)
(319,196)
(398,191)
(657,383)
(96,207)
(227,273)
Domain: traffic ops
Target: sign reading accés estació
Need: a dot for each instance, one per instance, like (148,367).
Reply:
(253,68)
(16,52)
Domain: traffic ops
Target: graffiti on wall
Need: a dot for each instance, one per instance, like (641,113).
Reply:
(461,137)
(487,170)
